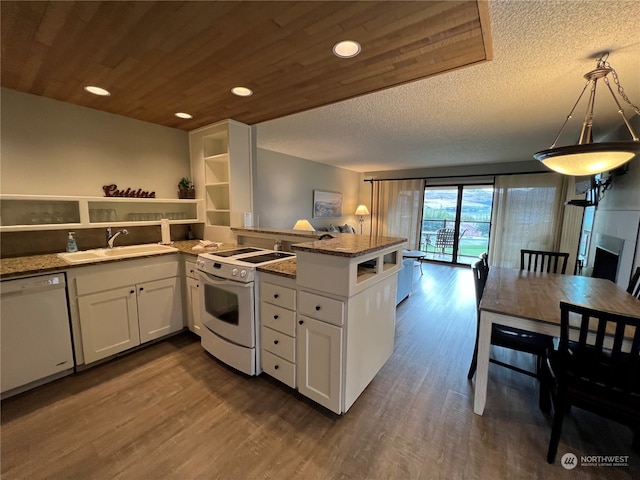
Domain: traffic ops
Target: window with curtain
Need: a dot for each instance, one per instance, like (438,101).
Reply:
(529,212)
(397,209)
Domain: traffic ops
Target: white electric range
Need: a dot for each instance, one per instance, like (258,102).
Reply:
(228,302)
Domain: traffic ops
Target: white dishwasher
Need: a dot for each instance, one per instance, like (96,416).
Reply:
(35,335)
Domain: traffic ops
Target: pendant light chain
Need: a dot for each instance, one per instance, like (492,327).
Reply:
(621,91)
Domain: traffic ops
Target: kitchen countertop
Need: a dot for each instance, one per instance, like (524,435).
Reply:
(345,245)
(37,264)
(279,231)
(348,245)
(285,268)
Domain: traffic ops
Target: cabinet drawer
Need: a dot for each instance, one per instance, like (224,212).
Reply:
(278,318)
(190,269)
(276,342)
(278,295)
(279,368)
(321,308)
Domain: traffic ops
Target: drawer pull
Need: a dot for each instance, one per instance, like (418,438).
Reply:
(275,342)
(132,291)
(275,367)
(276,295)
(275,317)
(301,322)
(317,308)
(141,289)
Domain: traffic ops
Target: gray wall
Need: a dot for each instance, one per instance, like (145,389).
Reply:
(284,185)
(56,148)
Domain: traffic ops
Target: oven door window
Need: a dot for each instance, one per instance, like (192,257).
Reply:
(221,304)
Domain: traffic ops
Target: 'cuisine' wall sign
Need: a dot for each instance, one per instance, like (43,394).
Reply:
(112,191)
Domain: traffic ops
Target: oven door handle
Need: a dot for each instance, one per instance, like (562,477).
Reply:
(213,280)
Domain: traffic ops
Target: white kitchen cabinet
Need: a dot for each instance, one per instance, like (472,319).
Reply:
(346,321)
(109,322)
(222,170)
(159,308)
(320,362)
(117,306)
(192,284)
(278,327)
(48,212)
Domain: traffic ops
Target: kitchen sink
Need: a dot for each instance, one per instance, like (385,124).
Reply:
(101,254)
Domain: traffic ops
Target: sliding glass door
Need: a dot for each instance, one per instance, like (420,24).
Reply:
(456,221)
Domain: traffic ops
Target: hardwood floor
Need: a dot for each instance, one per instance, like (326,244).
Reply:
(170,411)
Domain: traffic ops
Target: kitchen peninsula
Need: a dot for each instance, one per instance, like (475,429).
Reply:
(332,338)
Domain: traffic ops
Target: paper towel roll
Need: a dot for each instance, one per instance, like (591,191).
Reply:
(165,231)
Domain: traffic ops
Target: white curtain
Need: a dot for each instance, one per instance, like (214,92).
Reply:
(529,212)
(397,209)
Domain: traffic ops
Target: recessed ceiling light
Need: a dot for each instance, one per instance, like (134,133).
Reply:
(183,115)
(242,91)
(346,49)
(97,91)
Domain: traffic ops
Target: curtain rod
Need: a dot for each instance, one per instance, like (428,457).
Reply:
(450,176)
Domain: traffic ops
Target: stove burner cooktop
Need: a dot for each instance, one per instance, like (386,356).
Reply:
(237,251)
(267,257)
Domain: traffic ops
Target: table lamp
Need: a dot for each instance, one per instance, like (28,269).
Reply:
(304,225)
(362,210)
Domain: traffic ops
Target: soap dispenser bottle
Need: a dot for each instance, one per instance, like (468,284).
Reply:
(72,246)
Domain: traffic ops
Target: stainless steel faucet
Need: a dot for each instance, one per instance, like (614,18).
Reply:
(112,237)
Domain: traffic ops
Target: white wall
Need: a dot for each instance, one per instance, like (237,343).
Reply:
(618,215)
(56,148)
(284,188)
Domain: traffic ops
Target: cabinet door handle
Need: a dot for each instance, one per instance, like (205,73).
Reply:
(317,308)
(191,271)
(276,367)
(301,322)
(275,342)
(275,295)
(197,285)
(132,291)
(275,317)
(141,288)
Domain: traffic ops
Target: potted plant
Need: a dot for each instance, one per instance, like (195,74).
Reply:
(186,188)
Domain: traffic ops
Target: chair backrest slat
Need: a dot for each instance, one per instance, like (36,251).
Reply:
(543,261)
(634,284)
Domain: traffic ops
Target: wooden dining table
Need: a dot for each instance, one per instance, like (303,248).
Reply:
(531,301)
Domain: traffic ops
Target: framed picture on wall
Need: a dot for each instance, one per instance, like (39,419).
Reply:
(327,204)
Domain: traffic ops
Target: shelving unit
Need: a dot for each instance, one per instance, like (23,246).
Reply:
(221,168)
(44,212)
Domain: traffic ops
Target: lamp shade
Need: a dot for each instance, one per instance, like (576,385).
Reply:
(362,210)
(304,225)
(588,159)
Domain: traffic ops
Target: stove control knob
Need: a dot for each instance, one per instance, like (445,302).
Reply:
(234,272)
(243,273)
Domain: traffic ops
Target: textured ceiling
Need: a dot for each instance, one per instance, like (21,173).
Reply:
(499,111)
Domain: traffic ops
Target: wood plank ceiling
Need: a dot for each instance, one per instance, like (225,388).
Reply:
(158,58)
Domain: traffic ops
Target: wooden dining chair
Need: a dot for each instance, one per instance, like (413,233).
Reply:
(543,261)
(512,338)
(595,375)
(634,284)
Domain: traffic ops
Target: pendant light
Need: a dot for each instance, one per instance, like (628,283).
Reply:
(588,158)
